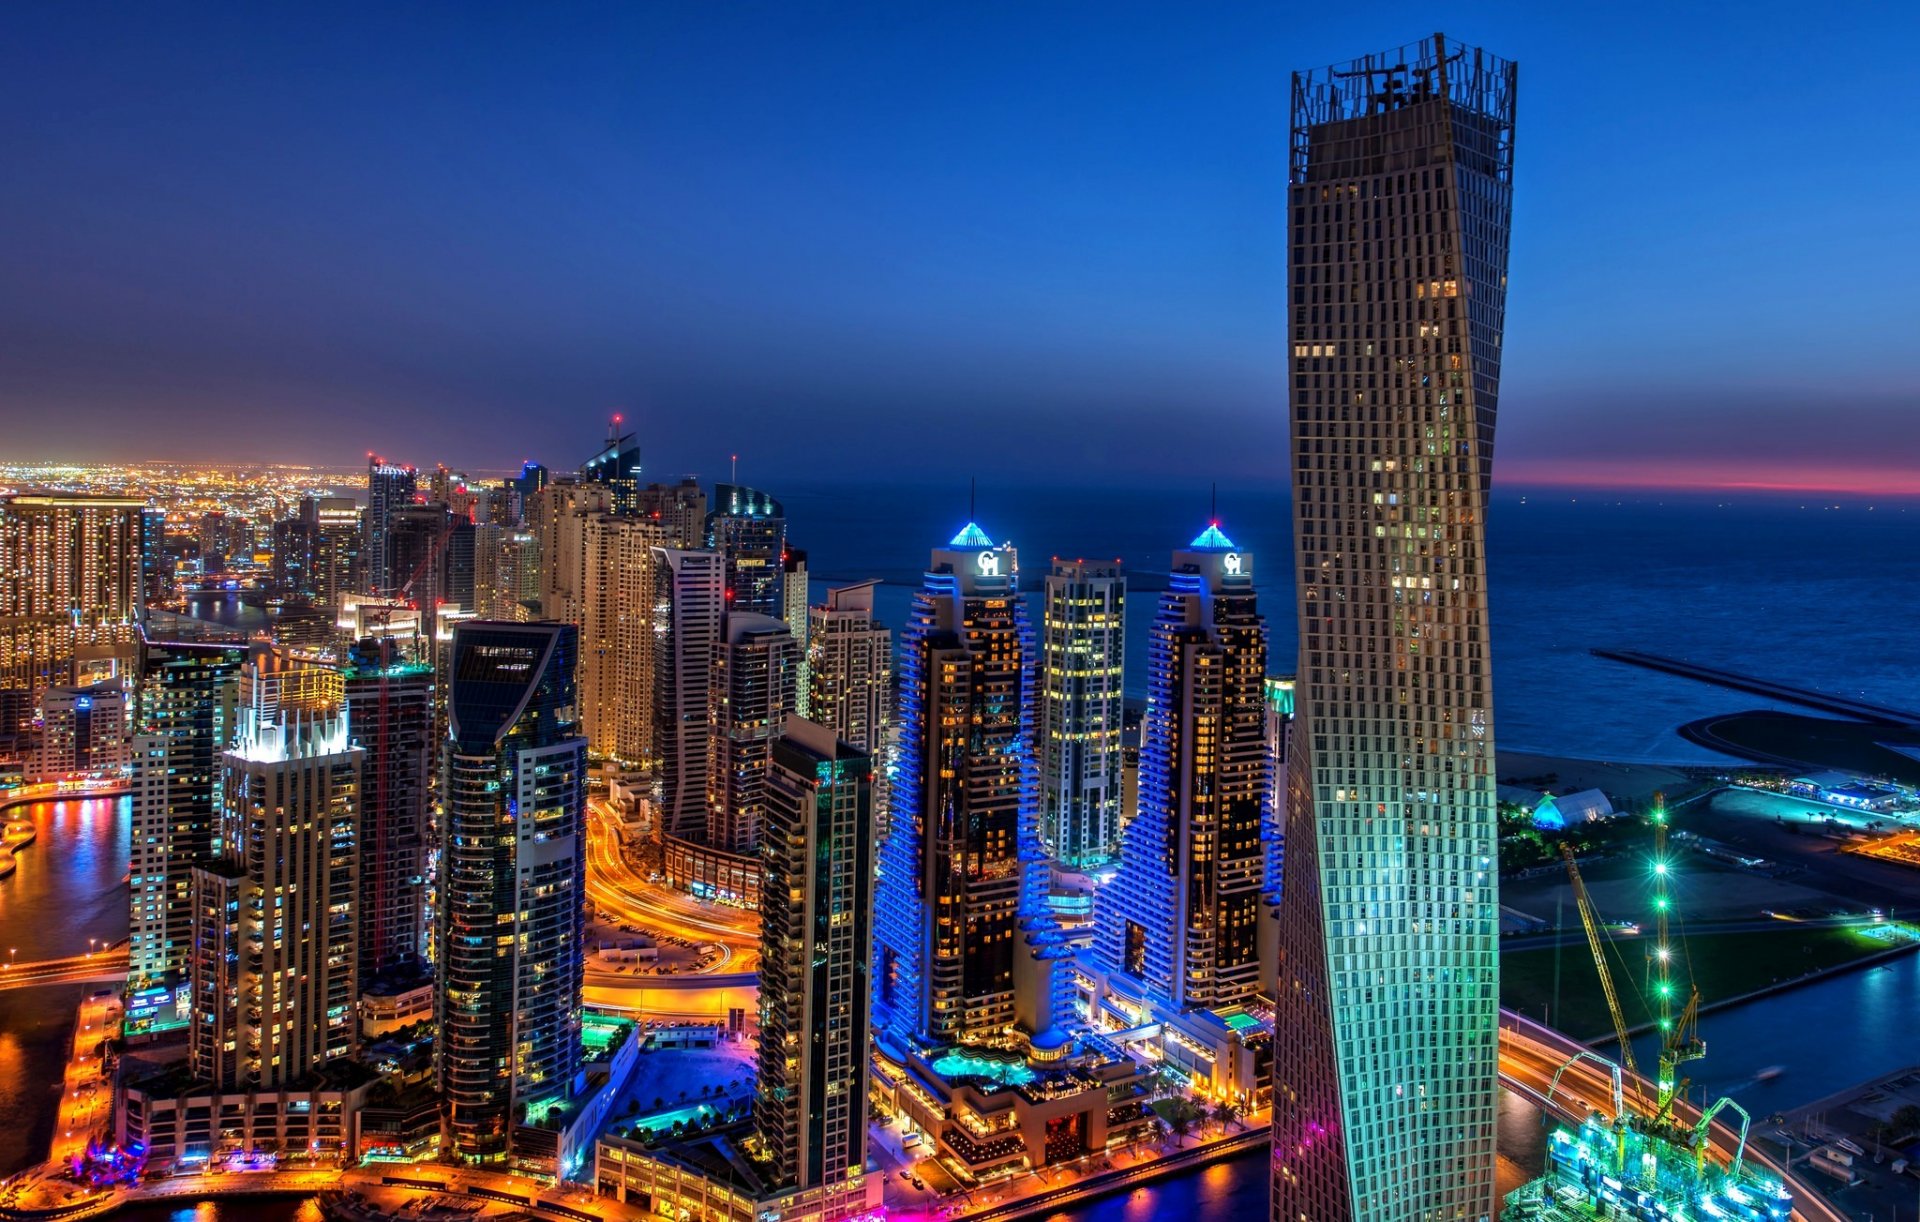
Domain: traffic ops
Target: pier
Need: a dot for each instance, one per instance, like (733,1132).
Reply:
(1786,693)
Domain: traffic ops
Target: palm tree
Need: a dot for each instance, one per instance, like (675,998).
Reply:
(1226,1112)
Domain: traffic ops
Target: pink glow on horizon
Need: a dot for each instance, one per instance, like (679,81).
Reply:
(1706,476)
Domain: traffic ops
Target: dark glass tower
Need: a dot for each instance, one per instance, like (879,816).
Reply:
(617,465)
(390,717)
(389,487)
(1386,1032)
(509,923)
(749,528)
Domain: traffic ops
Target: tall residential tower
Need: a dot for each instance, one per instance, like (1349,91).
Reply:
(1082,704)
(1399,205)
(509,922)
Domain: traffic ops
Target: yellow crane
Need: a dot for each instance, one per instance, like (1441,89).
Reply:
(1597,944)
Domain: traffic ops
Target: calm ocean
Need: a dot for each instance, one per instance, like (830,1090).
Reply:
(1820,591)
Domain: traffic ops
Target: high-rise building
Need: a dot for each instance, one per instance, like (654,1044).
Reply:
(616,466)
(793,583)
(1181,915)
(617,644)
(184,718)
(689,604)
(335,521)
(850,680)
(506,568)
(556,515)
(816,948)
(156,571)
(274,973)
(389,487)
(952,874)
(70,588)
(390,708)
(417,553)
(749,698)
(296,544)
(1386,1032)
(82,730)
(1082,703)
(749,529)
(457,565)
(679,509)
(509,922)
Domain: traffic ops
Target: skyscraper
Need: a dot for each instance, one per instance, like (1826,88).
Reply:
(951,870)
(417,554)
(70,587)
(616,466)
(275,978)
(388,488)
(390,716)
(748,701)
(816,939)
(679,509)
(793,582)
(749,529)
(509,921)
(689,604)
(1181,916)
(184,718)
(850,677)
(82,729)
(1399,208)
(556,515)
(617,643)
(1082,704)
(335,521)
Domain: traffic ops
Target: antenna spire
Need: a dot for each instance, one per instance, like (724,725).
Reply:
(1213,504)
(972,491)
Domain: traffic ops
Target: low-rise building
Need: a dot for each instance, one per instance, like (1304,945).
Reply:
(709,1177)
(991,1114)
(1225,1055)
(172,1119)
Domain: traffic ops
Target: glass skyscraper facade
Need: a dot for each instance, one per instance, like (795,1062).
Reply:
(509,923)
(1386,1033)
(1181,915)
(749,528)
(949,899)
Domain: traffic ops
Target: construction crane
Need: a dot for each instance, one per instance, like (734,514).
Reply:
(1597,944)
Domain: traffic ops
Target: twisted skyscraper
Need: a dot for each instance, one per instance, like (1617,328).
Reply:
(1386,1039)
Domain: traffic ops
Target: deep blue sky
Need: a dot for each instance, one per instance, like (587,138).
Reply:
(838,238)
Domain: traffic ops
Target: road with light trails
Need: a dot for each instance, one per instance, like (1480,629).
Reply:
(1531,1054)
(104,965)
(618,891)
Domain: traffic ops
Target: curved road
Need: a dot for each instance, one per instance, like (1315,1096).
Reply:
(617,890)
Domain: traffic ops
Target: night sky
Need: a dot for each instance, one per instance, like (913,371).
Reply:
(894,240)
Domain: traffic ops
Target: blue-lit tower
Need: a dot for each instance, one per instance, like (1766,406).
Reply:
(1182,915)
(749,529)
(617,465)
(964,946)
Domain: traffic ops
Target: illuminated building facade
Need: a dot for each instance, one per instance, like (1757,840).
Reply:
(82,730)
(389,486)
(962,889)
(1399,210)
(1082,704)
(185,715)
(616,466)
(749,529)
(679,509)
(70,588)
(1181,916)
(796,594)
(390,707)
(850,677)
(617,644)
(509,922)
(749,698)
(816,950)
(689,606)
(276,904)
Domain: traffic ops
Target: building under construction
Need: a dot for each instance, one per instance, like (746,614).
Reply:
(1644,1161)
